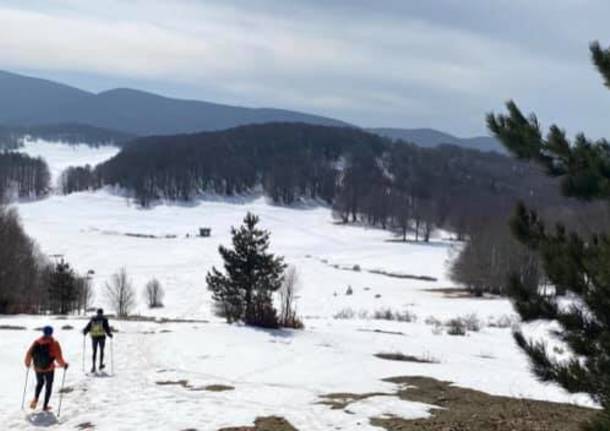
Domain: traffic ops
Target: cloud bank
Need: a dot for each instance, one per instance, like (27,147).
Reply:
(440,64)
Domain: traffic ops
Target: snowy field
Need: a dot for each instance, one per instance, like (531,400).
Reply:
(281,373)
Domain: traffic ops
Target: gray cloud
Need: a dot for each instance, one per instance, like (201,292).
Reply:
(442,63)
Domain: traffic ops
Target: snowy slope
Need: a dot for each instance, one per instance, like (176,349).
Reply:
(271,373)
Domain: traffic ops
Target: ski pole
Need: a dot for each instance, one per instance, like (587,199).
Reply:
(61,392)
(84,350)
(25,387)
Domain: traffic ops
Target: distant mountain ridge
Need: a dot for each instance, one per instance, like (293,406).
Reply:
(28,101)
(431,138)
(49,109)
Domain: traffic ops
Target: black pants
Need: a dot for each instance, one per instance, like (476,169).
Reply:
(45,379)
(101,342)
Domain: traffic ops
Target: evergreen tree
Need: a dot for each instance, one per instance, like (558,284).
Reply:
(576,265)
(252,275)
(63,289)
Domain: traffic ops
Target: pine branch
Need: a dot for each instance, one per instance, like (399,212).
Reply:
(601,59)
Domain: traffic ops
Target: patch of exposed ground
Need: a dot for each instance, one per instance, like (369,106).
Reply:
(12,328)
(406,358)
(463,409)
(376,271)
(381,331)
(215,388)
(341,400)
(85,426)
(271,423)
(458,293)
(186,385)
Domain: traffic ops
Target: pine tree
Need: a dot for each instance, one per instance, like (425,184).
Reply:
(252,275)
(63,292)
(577,266)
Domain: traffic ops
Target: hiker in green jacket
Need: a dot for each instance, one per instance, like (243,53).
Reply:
(98,328)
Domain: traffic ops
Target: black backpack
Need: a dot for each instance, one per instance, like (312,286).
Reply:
(41,354)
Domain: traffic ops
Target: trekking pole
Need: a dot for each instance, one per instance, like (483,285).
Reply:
(25,387)
(61,392)
(84,350)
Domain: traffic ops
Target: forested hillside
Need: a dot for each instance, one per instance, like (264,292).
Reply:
(22,176)
(363,176)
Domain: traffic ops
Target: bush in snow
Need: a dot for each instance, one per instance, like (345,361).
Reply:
(503,321)
(346,313)
(436,323)
(154,293)
(349,290)
(120,293)
(389,314)
(456,326)
(471,322)
(350,313)
(356,268)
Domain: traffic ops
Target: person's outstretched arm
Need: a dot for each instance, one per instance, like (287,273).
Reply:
(28,356)
(57,354)
(107,328)
(87,328)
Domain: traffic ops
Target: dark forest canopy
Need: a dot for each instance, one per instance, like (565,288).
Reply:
(22,176)
(363,176)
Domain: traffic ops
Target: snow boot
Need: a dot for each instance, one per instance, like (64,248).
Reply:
(93,369)
(102,366)
(47,408)
(33,403)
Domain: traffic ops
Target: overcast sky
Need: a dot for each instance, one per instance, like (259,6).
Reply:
(402,63)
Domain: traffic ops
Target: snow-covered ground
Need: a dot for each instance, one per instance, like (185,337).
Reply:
(271,373)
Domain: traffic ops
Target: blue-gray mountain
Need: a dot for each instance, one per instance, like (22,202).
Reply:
(431,138)
(118,115)
(30,101)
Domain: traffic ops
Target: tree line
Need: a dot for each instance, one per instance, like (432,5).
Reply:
(29,281)
(364,177)
(22,176)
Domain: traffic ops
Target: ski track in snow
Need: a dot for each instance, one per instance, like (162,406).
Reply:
(272,373)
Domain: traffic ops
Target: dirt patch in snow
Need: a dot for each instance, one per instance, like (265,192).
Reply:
(341,400)
(381,331)
(406,358)
(463,409)
(186,385)
(216,388)
(183,383)
(12,328)
(271,423)
(459,293)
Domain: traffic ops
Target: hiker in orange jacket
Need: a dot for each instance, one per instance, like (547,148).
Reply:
(45,352)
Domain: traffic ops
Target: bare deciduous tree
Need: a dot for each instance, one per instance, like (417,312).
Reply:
(287,295)
(85,293)
(153,293)
(120,293)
